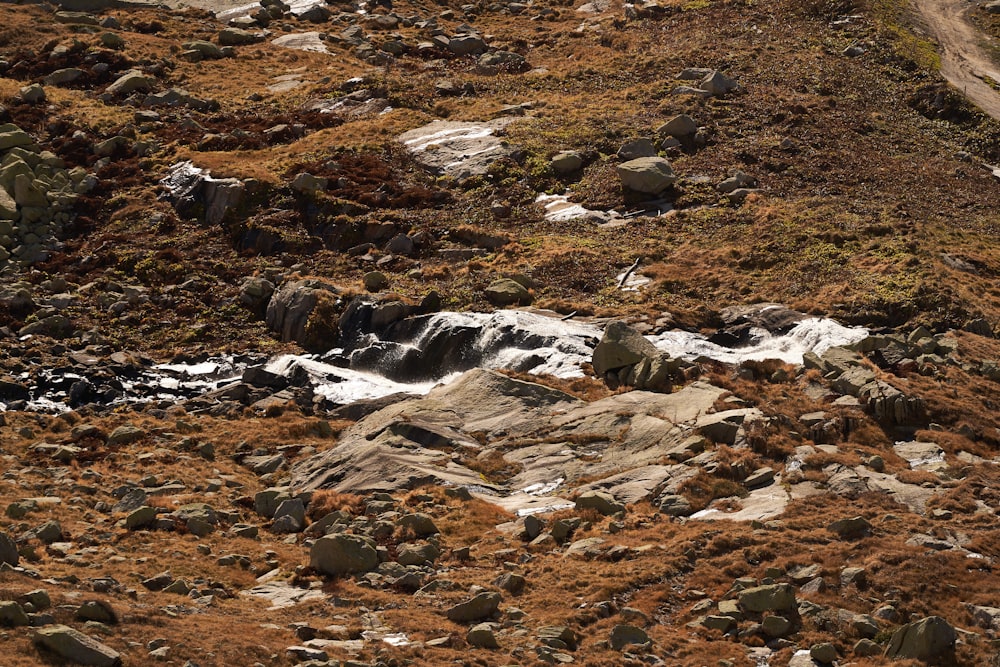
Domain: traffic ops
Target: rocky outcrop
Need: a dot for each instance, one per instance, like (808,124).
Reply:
(930,639)
(624,356)
(37,196)
(305,311)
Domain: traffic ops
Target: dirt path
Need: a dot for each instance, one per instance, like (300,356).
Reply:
(964,62)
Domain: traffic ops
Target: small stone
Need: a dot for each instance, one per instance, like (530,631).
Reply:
(824,653)
(482,636)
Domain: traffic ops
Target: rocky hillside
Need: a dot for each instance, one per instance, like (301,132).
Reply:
(406,333)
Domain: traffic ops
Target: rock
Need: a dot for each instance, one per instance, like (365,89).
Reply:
(291,308)
(507,292)
(931,639)
(759,478)
(737,181)
(866,647)
(566,162)
(637,149)
(482,636)
(600,501)
(851,529)
(97,610)
(825,653)
(495,62)
(306,183)
(420,524)
(623,636)
(675,505)
(417,554)
(76,647)
(140,518)
(648,175)
(511,582)
(718,84)
(679,127)
(771,597)
(776,626)
(32,94)
(125,435)
(12,614)
(465,45)
(723,624)
(621,346)
(343,554)
(238,37)
(205,48)
(8,550)
(479,607)
(375,281)
(130,82)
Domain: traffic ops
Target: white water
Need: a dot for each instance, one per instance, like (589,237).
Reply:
(809,335)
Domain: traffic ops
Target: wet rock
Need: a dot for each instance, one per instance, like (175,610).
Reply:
(76,647)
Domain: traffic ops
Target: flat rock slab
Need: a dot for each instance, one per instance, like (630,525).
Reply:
(283,595)
(458,149)
(302,41)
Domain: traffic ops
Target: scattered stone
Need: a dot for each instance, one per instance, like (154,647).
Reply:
(771,597)
(824,653)
(508,292)
(851,529)
(483,636)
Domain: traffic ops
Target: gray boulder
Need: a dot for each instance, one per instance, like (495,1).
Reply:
(238,37)
(603,502)
(566,162)
(623,636)
(648,175)
(12,614)
(481,606)
(718,84)
(507,292)
(76,647)
(637,149)
(131,82)
(343,554)
(8,550)
(483,636)
(851,529)
(679,127)
(771,597)
(930,639)
(290,308)
(621,346)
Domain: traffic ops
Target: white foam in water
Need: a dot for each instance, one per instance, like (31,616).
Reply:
(203,368)
(812,334)
(343,385)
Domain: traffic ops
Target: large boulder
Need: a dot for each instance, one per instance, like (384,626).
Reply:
(621,346)
(507,292)
(76,647)
(8,550)
(291,309)
(771,597)
(930,639)
(343,554)
(648,175)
